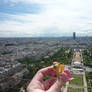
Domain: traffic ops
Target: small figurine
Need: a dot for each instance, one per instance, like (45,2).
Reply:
(59,68)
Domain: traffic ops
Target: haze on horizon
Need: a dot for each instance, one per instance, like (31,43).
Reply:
(45,18)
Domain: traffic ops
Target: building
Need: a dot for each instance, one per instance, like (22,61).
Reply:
(74,35)
(77,64)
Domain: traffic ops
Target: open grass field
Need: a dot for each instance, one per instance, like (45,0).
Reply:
(77,81)
(70,89)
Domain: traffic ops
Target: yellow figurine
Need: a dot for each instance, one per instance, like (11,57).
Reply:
(59,68)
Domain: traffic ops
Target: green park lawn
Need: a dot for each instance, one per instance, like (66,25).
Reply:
(70,89)
(77,81)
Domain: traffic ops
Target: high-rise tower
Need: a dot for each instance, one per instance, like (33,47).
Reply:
(74,35)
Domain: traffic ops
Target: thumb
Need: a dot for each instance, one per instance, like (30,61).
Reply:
(56,87)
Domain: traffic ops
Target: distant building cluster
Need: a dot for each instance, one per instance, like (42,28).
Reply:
(15,49)
(11,74)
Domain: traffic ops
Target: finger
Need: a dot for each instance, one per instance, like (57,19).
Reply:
(43,72)
(56,87)
(70,79)
(48,83)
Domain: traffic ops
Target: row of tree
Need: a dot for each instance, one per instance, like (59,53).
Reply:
(59,56)
(87,57)
(89,80)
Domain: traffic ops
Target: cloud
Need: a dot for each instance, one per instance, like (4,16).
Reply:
(58,18)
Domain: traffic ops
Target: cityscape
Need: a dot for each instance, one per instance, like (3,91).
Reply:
(45,45)
(21,58)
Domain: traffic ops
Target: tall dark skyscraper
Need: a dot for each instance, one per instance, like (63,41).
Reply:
(74,35)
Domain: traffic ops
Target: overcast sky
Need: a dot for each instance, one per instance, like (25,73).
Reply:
(35,18)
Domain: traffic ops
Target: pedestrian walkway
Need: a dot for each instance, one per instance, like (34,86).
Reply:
(85,83)
(66,87)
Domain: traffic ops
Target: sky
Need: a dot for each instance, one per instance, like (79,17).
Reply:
(45,18)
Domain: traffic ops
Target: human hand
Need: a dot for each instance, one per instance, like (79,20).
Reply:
(51,85)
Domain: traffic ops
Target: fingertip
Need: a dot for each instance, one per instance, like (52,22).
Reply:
(72,78)
(55,62)
(67,72)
